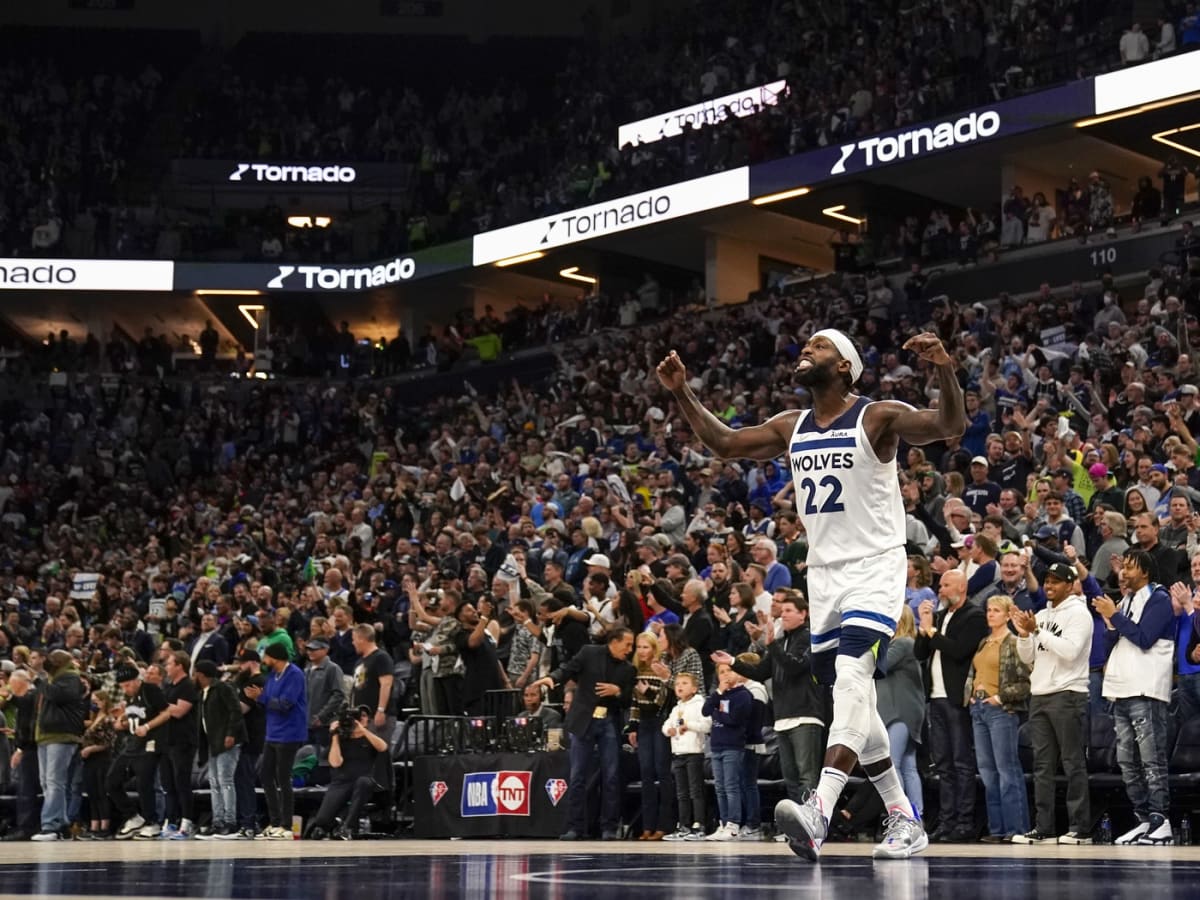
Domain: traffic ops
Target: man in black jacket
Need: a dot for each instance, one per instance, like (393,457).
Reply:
(222,734)
(948,641)
(604,687)
(60,723)
(249,675)
(23,697)
(801,704)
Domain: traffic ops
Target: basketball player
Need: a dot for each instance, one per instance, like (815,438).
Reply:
(842,454)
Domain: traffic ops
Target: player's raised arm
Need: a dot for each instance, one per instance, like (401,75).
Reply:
(765,441)
(924,426)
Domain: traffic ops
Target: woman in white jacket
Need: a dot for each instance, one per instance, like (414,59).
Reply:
(686,725)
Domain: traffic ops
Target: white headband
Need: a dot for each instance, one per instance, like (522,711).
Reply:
(844,347)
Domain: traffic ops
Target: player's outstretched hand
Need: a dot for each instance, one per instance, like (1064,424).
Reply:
(671,372)
(928,346)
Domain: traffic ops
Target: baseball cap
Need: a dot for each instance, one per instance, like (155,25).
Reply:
(1046,531)
(318,644)
(127,673)
(1189,389)
(599,559)
(248,656)
(1065,473)
(1098,471)
(679,561)
(1159,467)
(979,461)
(961,542)
(1062,572)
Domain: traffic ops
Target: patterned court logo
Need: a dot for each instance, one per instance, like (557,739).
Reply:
(437,790)
(556,788)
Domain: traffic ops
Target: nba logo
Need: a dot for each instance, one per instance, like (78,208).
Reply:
(437,790)
(555,789)
(479,794)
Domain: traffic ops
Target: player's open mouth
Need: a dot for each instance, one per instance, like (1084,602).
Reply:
(804,364)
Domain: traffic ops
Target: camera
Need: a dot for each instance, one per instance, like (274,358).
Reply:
(347,720)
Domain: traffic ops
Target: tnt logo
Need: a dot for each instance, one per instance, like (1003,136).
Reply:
(513,793)
(556,788)
(437,790)
(495,794)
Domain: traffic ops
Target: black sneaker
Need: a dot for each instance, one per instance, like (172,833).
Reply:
(1035,837)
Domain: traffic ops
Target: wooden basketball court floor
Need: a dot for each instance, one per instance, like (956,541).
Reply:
(557,871)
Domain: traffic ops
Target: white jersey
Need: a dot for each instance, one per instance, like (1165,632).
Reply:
(847,499)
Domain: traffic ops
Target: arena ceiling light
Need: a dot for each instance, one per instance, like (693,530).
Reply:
(1135,111)
(309,221)
(516,260)
(837,212)
(220,292)
(247,310)
(574,275)
(1163,137)
(782,195)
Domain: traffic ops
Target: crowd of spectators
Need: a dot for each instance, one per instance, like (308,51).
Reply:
(486,152)
(141,519)
(486,157)
(65,145)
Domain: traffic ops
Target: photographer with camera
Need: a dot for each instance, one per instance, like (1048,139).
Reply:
(354,753)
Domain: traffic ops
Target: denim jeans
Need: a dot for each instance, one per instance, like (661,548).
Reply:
(751,801)
(800,752)
(1141,725)
(1096,701)
(954,759)
(727,774)
(658,787)
(1000,768)
(904,758)
(600,737)
(56,763)
(221,772)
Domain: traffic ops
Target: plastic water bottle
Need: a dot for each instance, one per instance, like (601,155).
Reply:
(1185,831)
(1106,832)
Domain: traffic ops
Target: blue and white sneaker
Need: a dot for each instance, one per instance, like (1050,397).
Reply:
(804,824)
(903,836)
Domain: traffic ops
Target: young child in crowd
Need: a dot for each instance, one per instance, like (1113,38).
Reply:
(755,750)
(730,707)
(686,725)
